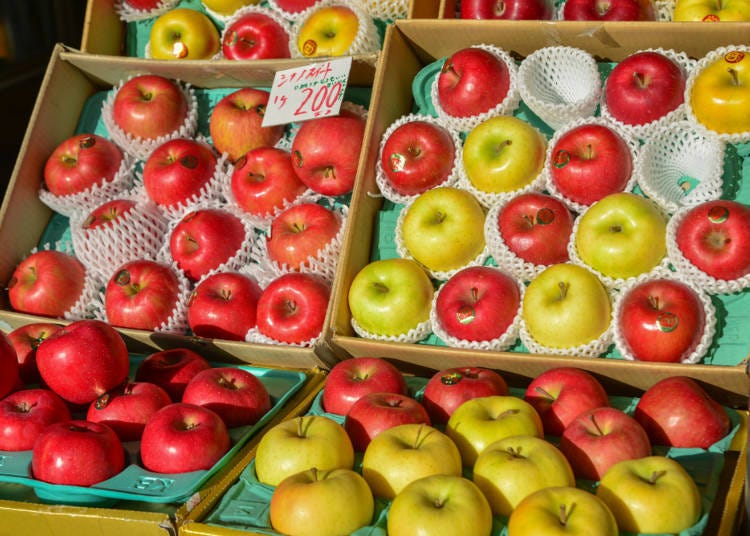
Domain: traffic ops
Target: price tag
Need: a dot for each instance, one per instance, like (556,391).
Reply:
(306,92)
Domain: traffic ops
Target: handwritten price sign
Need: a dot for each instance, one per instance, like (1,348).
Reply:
(306,92)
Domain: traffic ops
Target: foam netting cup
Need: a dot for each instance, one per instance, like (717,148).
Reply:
(701,64)
(138,147)
(228,21)
(664,10)
(505,107)
(128,13)
(681,165)
(709,312)
(94,196)
(387,10)
(136,234)
(689,272)
(418,333)
(645,130)
(631,141)
(292,17)
(499,344)
(382,180)
(560,84)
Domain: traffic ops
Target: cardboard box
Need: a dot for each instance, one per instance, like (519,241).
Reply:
(410,46)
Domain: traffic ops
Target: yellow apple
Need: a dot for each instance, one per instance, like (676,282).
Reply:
(184,33)
(227,7)
(711,11)
(328,31)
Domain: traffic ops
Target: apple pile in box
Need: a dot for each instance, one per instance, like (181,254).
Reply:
(459,453)
(235,237)
(536,203)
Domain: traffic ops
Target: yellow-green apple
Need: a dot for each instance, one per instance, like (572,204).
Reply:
(416,156)
(478,422)
(405,453)
(292,308)
(301,505)
(510,469)
(440,504)
(505,10)
(46,283)
(351,379)
(326,150)
(712,236)
(234,394)
(184,34)
(127,408)
(390,297)
(536,227)
(589,162)
(560,394)
(472,81)
(622,235)
(77,453)
(264,181)
(24,414)
(300,444)
(25,340)
(562,511)
(300,233)
(503,154)
(643,493)
(660,320)
(720,93)
(599,438)
(255,36)
(142,294)
(224,306)
(449,388)
(81,162)
(443,228)
(478,303)
(227,7)
(712,11)
(556,301)
(181,438)
(608,10)
(678,412)
(236,121)
(171,369)
(328,30)
(374,413)
(148,106)
(178,171)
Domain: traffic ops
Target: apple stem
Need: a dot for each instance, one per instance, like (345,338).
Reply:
(544,392)
(656,475)
(499,9)
(300,432)
(298,227)
(589,153)
(440,217)
(596,425)
(419,438)
(733,74)
(653,301)
(640,80)
(314,472)
(503,145)
(380,287)
(563,289)
(565,513)
(515,452)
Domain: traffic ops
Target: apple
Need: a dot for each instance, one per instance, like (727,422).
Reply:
(642,494)
(83,360)
(328,30)
(106,213)
(127,409)
(10,379)
(505,10)
(599,438)
(566,306)
(224,306)
(181,438)
(560,394)
(205,240)
(299,444)
(236,120)
(443,229)
(171,369)
(510,469)
(145,5)
(351,379)
(25,340)
(225,8)
(25,414)
(449,388)
(478,422)
(81,162)
(698,11)
(47,283)
(142,294)
(676,411)
(293,7)
(301,503)
(503,154)
(292,308)
(390,297)
(255,35)
(184,33)
(608,10)
(301,233)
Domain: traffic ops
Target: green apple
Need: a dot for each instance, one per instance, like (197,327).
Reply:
(184,33)
(566,306)
(562,511)
(302,503)
(503,154)
(302,443)
(479,422)
(622,235)
(650,495)
(440,505)
(407,452)
(328,31)
(512,468)
(711,11)
(443,229)
(390,297)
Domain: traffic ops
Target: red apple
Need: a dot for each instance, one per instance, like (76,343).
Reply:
(171,369)
(255,36)
(24,414)
(144,5)
(295,6)
(351,379)
(301,232)
(25,340)
(10,375)
(449,388)
(107,212)
(608,10)
(81,162)
(149,106)
(506,9)
(223,306)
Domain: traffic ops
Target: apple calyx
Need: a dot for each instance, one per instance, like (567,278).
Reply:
(87,142)
(515,453)
(565,513)
(656,475)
